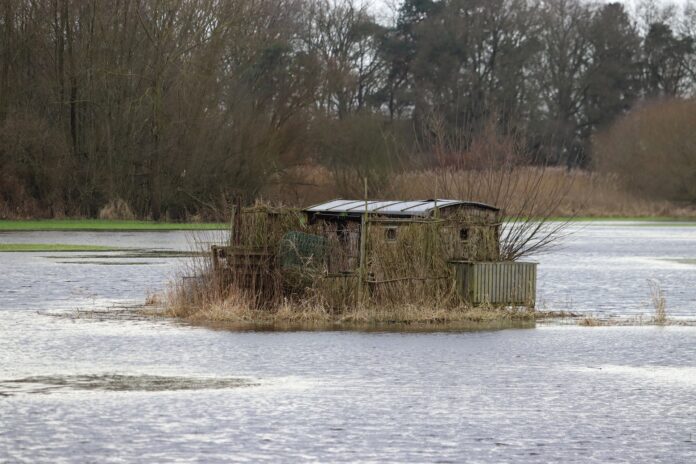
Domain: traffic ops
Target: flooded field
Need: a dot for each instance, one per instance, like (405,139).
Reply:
(92,389)
(604,268)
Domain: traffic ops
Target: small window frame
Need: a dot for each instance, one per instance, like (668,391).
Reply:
(390,234)
(464,234)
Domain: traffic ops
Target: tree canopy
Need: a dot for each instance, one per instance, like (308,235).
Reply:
(178,106)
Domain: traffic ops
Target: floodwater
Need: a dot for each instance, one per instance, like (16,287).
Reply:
(127,389)
(604,268)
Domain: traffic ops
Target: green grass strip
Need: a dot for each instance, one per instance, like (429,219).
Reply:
(109,225)
(43,247)
(623,218)
(101,224)
(638,220)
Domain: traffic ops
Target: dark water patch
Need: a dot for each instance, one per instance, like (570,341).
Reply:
(119,313)
(131,254)
(45,384)
(381,327)
(155,312)
(110,263)
(53,247)
(691,261)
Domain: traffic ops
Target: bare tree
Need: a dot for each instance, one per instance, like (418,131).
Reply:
(495,167)
(344,38)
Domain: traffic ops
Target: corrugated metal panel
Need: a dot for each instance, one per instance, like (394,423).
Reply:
(339,204)
(497,283)
(391,208)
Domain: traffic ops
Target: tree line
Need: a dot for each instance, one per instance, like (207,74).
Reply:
(179,106)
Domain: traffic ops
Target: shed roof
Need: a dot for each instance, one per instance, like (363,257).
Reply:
(411,208)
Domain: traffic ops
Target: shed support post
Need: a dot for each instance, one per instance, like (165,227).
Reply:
(363,259)
(237,218)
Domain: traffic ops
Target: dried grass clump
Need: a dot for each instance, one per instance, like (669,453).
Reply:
(590,321)
(631,321)
(200,300)
(153,299)
(235,308)
(116,209)
(659,303)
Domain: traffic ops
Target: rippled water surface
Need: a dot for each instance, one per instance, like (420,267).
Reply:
(76,389)
(604,268)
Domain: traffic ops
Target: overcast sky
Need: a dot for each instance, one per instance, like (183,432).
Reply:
(383,5)
(384,8)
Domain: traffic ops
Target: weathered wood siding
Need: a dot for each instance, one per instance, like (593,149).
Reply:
(496,283)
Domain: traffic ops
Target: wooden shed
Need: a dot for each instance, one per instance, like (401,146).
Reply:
(387,252)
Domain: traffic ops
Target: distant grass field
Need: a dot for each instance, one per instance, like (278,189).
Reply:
(101,224)
(46,247)
(623,219)
(113,225)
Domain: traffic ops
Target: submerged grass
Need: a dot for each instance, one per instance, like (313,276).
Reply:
(634,321)
(689,261)
(49,247)
(659,317)
(592,320)
(103,224)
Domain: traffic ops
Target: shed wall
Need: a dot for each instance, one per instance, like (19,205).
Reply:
(497,283)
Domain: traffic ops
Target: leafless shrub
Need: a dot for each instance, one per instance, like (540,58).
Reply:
(651,149)
(116,209)
(357,147)
(487,167)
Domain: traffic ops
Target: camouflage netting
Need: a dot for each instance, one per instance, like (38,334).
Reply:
(299,250)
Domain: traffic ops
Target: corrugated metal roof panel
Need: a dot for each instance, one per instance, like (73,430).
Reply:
(334,204)
(390,208)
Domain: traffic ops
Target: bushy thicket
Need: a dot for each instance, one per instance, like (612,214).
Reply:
(653,149)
